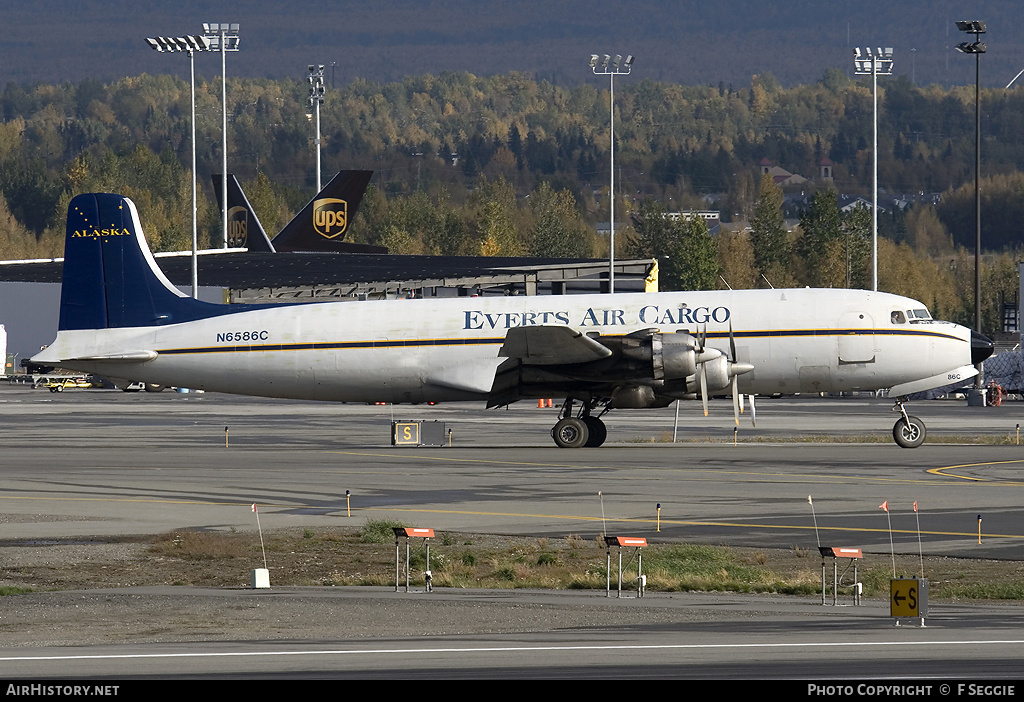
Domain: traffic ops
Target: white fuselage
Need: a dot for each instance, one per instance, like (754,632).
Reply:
(799,340)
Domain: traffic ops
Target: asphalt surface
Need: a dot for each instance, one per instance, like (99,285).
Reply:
(104,463)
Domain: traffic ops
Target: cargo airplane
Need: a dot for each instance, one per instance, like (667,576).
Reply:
(120,317)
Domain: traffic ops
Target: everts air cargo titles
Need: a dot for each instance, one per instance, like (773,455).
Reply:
(120,317)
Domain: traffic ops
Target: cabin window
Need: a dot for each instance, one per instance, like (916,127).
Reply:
(898,317)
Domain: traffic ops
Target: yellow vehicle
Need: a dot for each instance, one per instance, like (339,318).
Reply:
(56,385)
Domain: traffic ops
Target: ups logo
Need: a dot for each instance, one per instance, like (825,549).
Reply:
(330,217)
(238,227)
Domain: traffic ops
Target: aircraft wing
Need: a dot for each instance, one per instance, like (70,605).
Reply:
(551,345)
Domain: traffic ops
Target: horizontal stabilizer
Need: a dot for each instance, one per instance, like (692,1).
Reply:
(551,345)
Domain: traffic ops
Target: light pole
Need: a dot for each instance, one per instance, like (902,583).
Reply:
(977,28)
(316,98)
(977,48)
(189,45)
(223,38)
(611,67)
(877,64)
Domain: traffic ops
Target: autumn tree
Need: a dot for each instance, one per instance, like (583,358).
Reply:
(818,246)
(558,231)
(686,253)
(768,231)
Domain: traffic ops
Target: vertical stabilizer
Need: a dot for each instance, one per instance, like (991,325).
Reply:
(322,225)
(110,277)
(244,227)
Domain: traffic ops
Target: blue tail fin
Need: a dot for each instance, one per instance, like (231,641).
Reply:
(110,277)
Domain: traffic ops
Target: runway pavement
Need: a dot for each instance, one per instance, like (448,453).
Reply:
(103,463)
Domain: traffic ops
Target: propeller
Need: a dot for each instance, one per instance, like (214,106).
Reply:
(732,368)
(735,370)
(701,335)
(704,388)
(735,378)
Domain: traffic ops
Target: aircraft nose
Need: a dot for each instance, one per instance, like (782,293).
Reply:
(981,347)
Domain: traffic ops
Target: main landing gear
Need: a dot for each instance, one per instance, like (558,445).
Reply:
(582,430)
(909,431)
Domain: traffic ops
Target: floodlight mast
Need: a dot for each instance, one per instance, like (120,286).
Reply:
(316,98)
(977,28)
(600,66)
(223,37)
(977,48)
(877,64)
(190,45)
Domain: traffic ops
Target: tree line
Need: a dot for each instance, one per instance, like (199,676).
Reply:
(508,165)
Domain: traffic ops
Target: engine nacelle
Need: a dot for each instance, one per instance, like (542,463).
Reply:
(677,355)
(633,397)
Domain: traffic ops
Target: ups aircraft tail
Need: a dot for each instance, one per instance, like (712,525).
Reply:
(322,225)
(111,279)
(244,228)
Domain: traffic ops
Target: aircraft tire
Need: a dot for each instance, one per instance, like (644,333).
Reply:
(570,432)
(909,435)
(598,432)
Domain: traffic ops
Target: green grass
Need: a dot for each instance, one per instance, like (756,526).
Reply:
(705,568)
(11,590)
(379,531)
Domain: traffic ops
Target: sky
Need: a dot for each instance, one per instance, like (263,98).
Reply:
(687,41)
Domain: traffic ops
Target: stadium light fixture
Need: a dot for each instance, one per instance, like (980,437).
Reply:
(977,28)
(189,45)
(315,78)
(874,64)
(223,37)
(600,67)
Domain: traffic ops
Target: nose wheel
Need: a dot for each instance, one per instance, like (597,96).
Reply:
(909,431)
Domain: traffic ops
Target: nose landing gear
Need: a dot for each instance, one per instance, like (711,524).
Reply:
(909,431)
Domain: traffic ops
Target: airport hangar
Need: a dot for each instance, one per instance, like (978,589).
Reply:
(237,276)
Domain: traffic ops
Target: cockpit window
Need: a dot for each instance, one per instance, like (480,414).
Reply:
(898,317)
(920,315)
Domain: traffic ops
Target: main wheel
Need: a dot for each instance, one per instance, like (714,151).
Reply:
(597,430)
(909,435)
(570,432)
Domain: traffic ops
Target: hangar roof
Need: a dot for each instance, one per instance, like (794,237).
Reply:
(348,273)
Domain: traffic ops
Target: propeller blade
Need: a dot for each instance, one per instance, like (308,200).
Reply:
(736,399)
(741,403)
(704,387)
(732,344)
(753,412)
